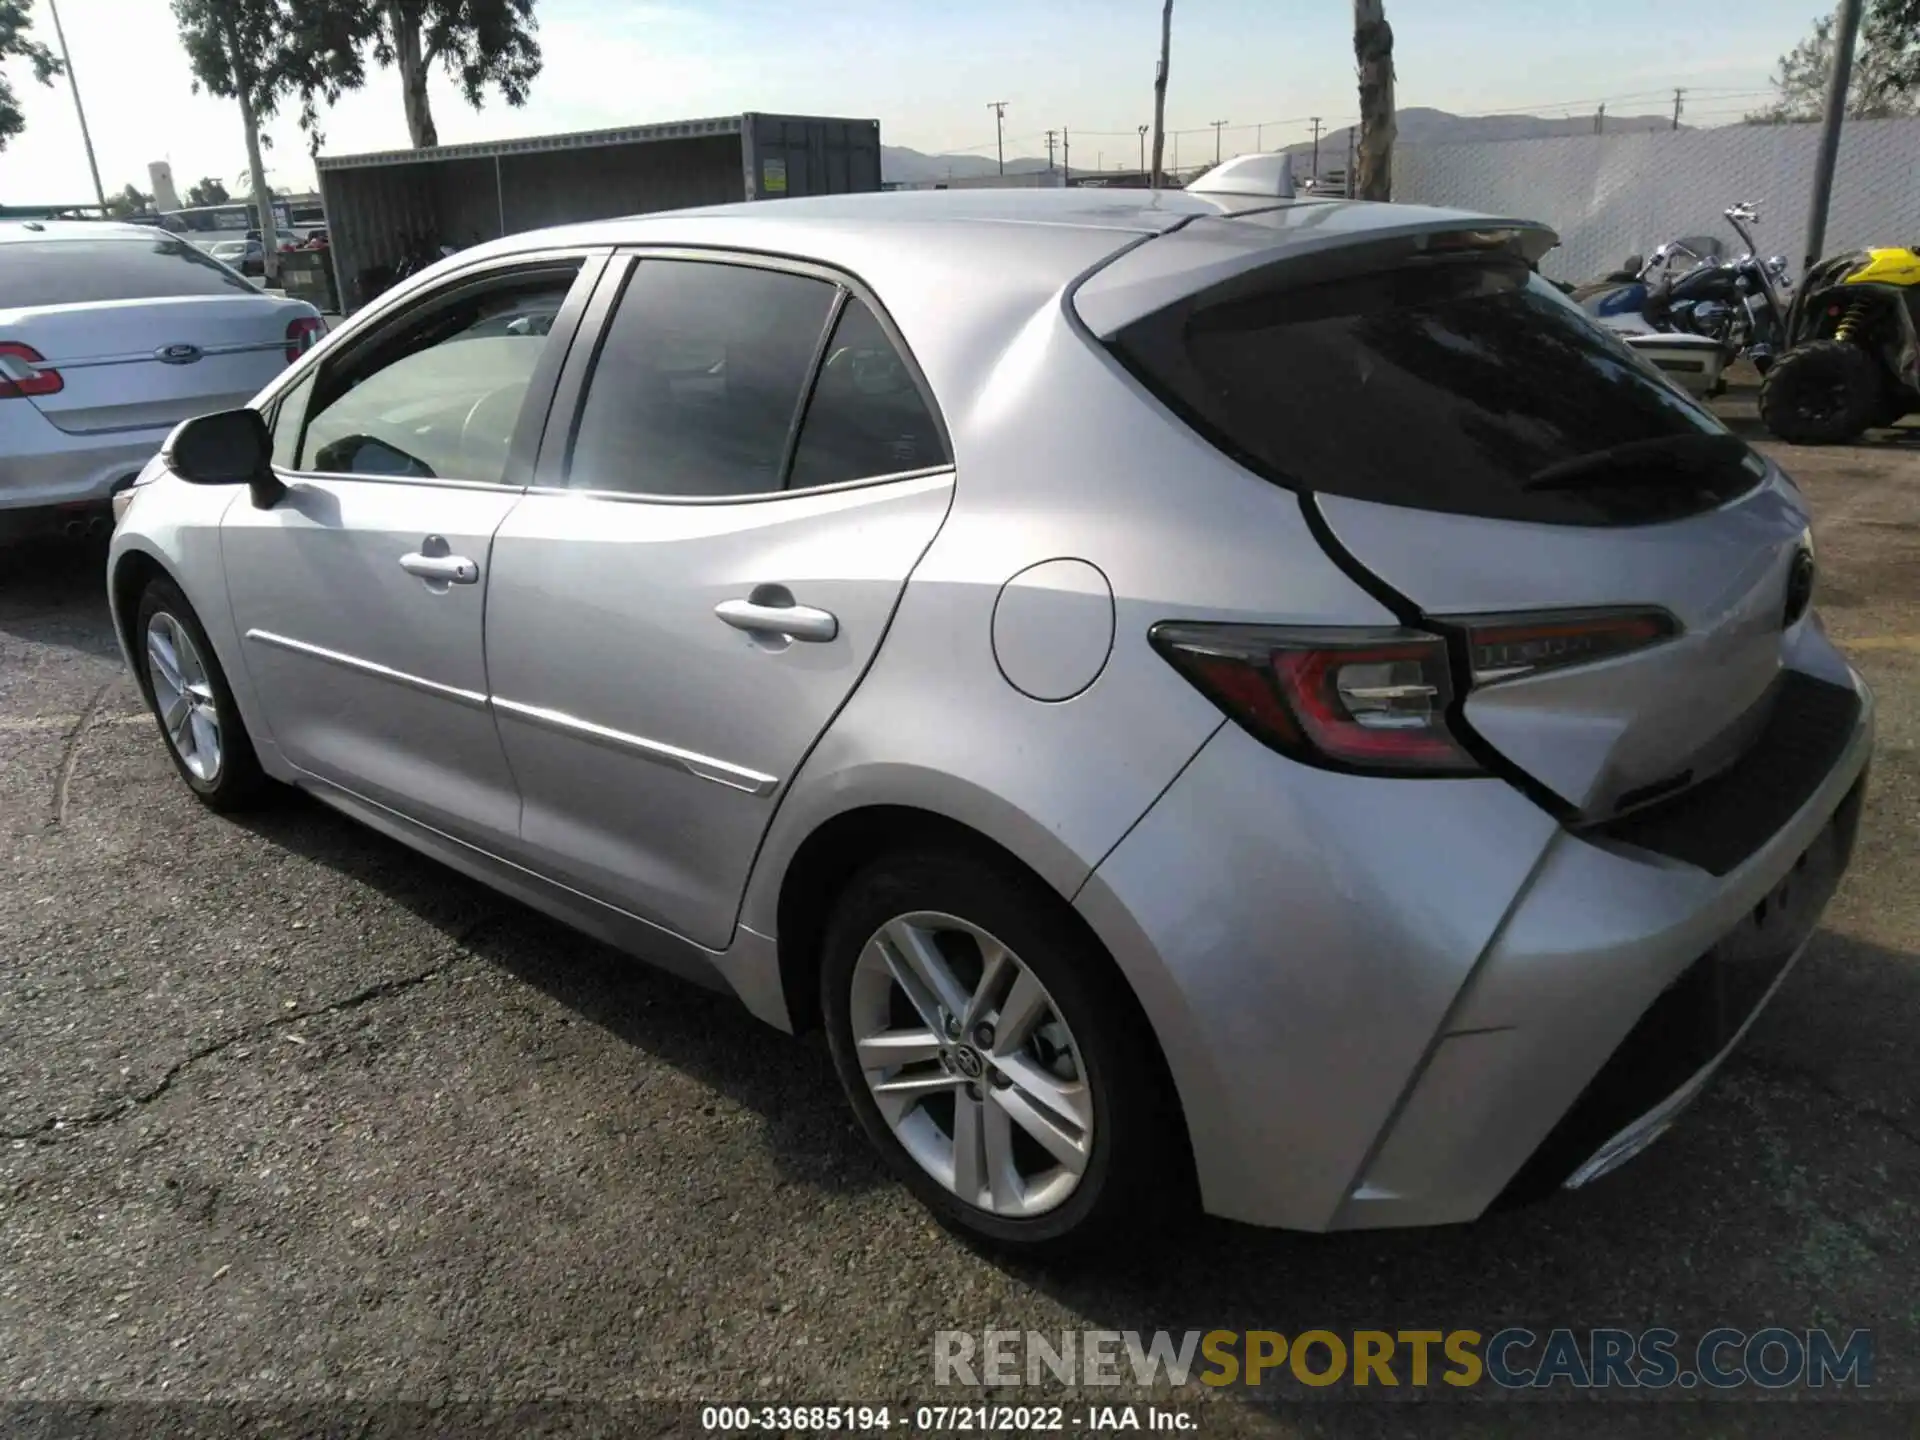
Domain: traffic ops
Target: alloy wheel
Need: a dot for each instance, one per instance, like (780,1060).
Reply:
(971,1064)
(183,696)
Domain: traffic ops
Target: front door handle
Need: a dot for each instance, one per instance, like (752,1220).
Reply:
(435,563)
(770,610)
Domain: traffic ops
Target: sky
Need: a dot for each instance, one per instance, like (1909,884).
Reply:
(926,69)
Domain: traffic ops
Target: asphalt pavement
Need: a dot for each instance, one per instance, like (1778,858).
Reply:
(290,1116)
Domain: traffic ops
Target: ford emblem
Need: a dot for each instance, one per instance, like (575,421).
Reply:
(177,354)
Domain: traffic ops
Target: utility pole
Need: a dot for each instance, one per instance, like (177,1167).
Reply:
(1600,119)
(1066,154)
(1143,148)
(1260,137)
(1217,124)
(86,139)
(1347,189)
(1845,33)
(999,108)
(1316,149)
(1677,93)
(1050,135)
(1160,94)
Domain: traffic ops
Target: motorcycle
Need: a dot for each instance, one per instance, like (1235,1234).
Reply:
(1688,292)
(418,253)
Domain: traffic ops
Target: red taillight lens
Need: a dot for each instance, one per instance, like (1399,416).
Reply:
(303,334)
(26,374)
(1509,647)
(1372,700)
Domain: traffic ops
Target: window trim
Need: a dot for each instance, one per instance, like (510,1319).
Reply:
(523,445)
(551,476)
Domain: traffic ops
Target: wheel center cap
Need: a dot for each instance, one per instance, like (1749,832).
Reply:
(967,1061)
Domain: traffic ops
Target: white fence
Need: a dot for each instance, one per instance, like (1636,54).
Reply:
(1611,195)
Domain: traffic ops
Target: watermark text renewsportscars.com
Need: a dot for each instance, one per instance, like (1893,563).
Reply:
(1514,1358)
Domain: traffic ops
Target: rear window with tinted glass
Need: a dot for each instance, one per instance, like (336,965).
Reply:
(79,272)
(1461,385)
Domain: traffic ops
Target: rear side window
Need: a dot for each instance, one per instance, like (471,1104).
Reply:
(1461,385)
(867,417)
(79,272)
(701,374)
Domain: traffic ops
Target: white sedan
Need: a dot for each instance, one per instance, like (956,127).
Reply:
(110,335)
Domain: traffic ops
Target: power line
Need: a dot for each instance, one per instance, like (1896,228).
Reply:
(1719,101)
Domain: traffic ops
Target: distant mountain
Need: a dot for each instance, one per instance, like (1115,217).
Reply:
(1418,125)
(901,166)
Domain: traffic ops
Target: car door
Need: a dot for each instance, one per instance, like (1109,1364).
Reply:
(703,571)
(361,596)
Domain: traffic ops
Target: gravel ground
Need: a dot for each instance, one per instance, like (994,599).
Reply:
(291,1117)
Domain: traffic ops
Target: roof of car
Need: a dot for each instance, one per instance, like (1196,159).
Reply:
(1002,223)
(1086,207)
(73,230)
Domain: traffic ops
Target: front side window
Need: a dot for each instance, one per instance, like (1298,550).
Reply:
(289,419)
(702,370)
(440,396)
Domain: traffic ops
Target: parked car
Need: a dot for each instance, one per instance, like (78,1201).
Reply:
(110,335)
(1201,696)
(246,254)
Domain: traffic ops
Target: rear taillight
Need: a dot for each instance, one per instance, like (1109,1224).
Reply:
(23,372)
(1377,700)
(303,334)
(1373,700)
(1509,647)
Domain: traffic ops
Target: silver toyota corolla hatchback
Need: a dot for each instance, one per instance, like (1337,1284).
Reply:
(1206,698)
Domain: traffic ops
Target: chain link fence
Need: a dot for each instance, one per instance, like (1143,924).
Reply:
(1612,195)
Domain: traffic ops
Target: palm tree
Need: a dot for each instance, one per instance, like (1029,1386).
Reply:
(1373,51)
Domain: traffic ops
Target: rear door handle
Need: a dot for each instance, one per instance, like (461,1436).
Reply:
(444,568)
(762,614)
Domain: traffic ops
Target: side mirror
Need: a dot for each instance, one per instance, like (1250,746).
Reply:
(229,447)
(1633,264)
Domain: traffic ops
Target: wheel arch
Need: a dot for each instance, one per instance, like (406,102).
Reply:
(837,849)
(136,561)
(133,570)
(845,843)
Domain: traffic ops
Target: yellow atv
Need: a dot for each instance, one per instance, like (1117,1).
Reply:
(1852,357)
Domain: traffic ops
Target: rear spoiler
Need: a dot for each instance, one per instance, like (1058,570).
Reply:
(1307,243)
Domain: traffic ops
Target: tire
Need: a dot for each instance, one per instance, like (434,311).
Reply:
(1824,393)
(1136,1171)
(226,776)
(1895,404)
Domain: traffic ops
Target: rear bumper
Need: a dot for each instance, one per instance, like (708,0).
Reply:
(56,468)
(1395,1002)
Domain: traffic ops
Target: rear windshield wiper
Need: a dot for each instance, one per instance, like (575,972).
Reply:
(1642,462)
